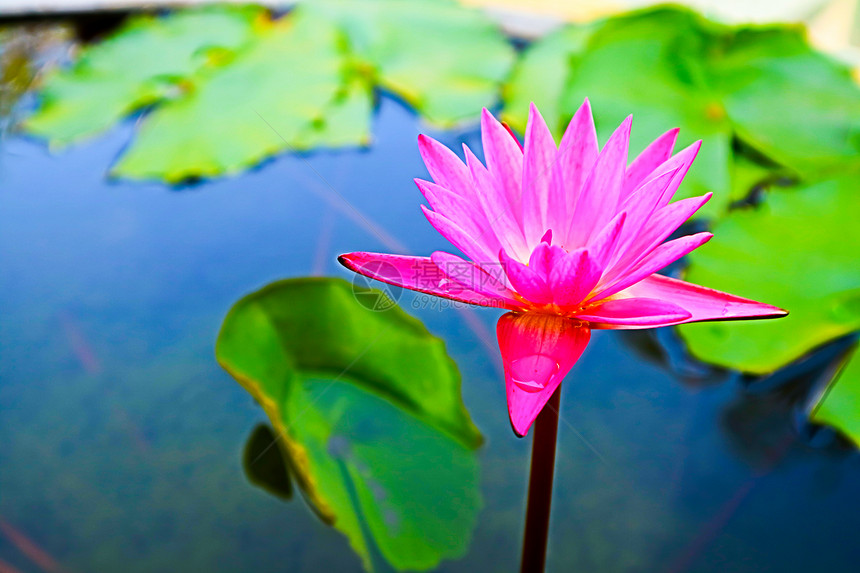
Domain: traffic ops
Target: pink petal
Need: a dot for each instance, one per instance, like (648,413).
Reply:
(603,246)
(543,258)
(598,201)
(642,204)
(572,278)
(659,226)
(527,282)
(634,313)
(504,159)
(465,213)
(701,302)
(547,237)
(444,166)
(487,280)
(664,255)
(472,248)
(654,155)
(512,134)
(575,159)
(538,350)
(496,208)
(681,161)
(419,274)
(538,159)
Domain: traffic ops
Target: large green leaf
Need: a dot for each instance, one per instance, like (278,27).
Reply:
(368,410)
(276,95)
(798,250)
(445,60)
(144,62)
(839,404)
(791,103)
(230,87)
(669,67)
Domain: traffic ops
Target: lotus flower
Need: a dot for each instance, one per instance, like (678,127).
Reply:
(568,238)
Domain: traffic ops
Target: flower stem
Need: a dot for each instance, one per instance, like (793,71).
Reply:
(540,487)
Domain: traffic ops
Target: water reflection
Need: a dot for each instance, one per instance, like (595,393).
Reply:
(770,412)
(264,464)
(766,415)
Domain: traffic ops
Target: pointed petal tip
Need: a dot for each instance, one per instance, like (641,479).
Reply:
(519,432)
(584,108)
(772,312)
(521,427)
(346,260)
(535,114)
(547,237)
(425,141)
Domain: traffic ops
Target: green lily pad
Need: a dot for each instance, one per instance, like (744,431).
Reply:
(839,404)
(276,95)
(368,410)
(797,250)
(670,67)
(141,64)
(445,60)
(230,87)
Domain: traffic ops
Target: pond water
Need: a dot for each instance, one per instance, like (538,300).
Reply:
(121,438)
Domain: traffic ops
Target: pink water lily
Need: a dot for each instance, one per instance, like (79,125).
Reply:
(568,238)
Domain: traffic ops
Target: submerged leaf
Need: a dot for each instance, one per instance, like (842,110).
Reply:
(146,61)
(798,251)
(368,410)
(670,67)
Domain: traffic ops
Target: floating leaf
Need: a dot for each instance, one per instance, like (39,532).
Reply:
(798,250)
(230,87)
(368,410)
(144,62)
(795,105)
(839,404)
(290,90)
(445,60)
(763,86)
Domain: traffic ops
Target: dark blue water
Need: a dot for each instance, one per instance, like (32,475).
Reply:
(121,438)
